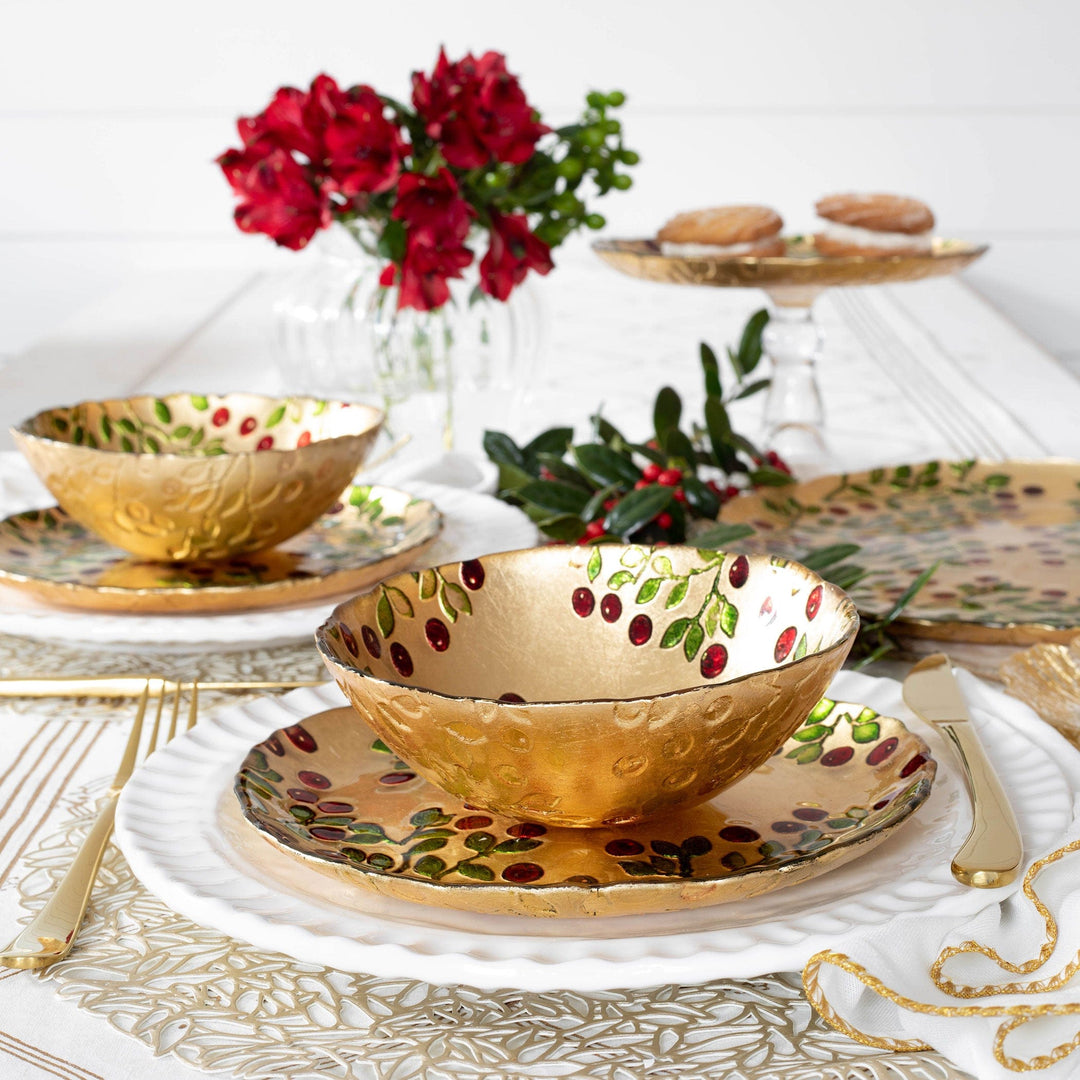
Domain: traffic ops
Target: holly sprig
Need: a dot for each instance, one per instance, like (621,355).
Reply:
(671,488)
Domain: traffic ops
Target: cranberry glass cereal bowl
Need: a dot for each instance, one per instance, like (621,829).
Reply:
(589,687)
(198,476)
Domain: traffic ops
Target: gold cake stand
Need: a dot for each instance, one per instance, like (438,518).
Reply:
(794,414)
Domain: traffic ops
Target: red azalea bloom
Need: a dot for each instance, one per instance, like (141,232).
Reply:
(424,274)
(432,208)
(513,252)
(276,196)
(363,148)
(477,110)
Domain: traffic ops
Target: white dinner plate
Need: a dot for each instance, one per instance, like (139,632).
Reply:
(179,826)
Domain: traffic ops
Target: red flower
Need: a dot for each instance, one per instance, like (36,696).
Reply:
(276,195)
(477,110)
(363,148)
(424,273)
(296,120)
(432,208)
(513,252)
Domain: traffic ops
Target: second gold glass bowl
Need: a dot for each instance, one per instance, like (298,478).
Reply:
(193,476)
(590,686)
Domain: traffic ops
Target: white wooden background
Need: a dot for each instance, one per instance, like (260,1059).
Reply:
(111,113)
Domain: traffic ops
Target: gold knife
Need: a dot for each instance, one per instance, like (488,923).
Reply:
(991,855)
(122,686)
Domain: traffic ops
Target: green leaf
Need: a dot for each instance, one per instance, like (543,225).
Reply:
(674,633)
(384,615)
(752,388)
(805,754)
(712,615)
(198,401)
(402,604)
(721,536)
(106,428)
(429,866)
(638,508)
(512,478)
(197,437)
(433,815)
(452,599)
(750,343)
(482,842)
(864,733)
(649,588)
(428,583)
(553,441)
(729,616)
(767,476)
(596,502)
(909,593)
(161,411)
(712,371)
(820,711)
(619,579)
(997,480)
(679,446)
(502,449)
(604,466)
(567,527)
(475,871)
(554,496)
(718,424)
(596,560)
(276,417)
(695,637)
(821,559)
(605,431)
(516,846)
(661,564)
(812,733)
(702,499)
(560,470)
(666,414)
(800,649)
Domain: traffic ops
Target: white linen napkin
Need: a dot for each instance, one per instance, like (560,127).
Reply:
(994,993)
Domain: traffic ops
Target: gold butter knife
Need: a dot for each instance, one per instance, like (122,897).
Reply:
(122,686)
(990,857)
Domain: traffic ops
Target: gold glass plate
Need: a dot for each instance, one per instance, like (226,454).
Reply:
(377,532)
(801,266)
(328,791)
(1007,535)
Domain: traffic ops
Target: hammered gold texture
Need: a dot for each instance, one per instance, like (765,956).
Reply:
(801,267)
(227,1008)
(265,473)
(605,729)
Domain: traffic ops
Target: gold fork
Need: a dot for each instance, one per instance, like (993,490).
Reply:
(51,934)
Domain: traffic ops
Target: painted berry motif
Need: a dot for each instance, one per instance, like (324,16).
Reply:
(713,661)
(348,640)
(611,608)
(248,425)
(640,629)
(400,658)
(813,602)
(371,641)
(784,644)
(739,572)
(472,574)
(438,637)
(583,602)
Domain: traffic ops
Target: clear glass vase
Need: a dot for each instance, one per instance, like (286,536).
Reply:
(441,376)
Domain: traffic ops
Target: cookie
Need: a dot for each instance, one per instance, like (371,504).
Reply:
(877,213)
(722,226)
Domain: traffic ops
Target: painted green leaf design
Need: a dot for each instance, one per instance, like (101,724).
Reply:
(729,616)
(372,827)
(197,437)
(596,561)
(810,734)
(106,427)
(674,634)
(619,579)
(695,636)
(864,733)
(199,402)
(820,711)
(380,860)
(429,866)
(997,480)
(661,564)
(633,557)
(380,747)
(126,445)
(678,594)
(78,435)
(181,432)
(516,846)
(433,815)
(162,412)
(276,417)
(482,842)
(866,715)
(475,871)
(384,615)
(649,588)
(459,597)
(800,649)
(402,604)
(636,869)
(428,584)
(806,754)
(152,444)
(665,847)
(433,843)
(367,838)
(712,616)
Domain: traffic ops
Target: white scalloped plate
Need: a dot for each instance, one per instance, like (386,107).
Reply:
(473,524)
(180,827)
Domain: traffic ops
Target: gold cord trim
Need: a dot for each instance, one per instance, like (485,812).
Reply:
(1018,1014)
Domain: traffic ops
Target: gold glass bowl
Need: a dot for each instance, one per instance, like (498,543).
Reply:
(590,686)
(193,476)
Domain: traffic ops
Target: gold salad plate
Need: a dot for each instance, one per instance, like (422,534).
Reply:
(329,792)
(800,266)
(374,532)
(1006,534)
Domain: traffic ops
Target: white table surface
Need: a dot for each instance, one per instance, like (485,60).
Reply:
(910,372)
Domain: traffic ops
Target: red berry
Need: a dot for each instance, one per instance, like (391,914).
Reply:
(731,491)
(220,417)
(248,425)
(651,471)
(680,495)
(813,602)
(664,520)
(784,644)
(583,602)
(713,661)
(611,608)
(265,443)
(400,658)
(641,484)
(594,528)
(610,504)
(438,637)
(651,444)
(371,642)
(304,440)
(669,477)
(472,574)
(714,487)
(739,572)
(546,473)
(640,629)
